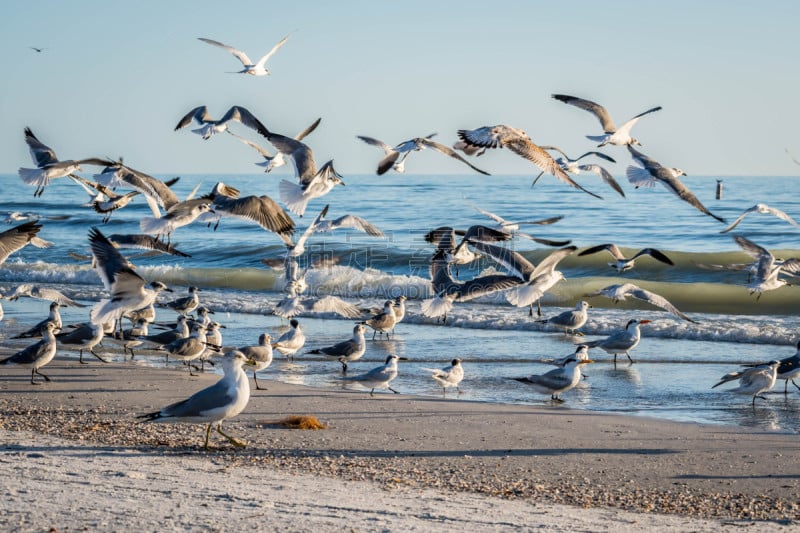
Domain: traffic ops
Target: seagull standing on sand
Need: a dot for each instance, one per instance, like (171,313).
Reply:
(83,337)
(619,292)
(622,263)
(651,172)
(516,140)
(621,341)
(291,341)
(570,320)
(763,209)
(558,380)
(253,69)
(272,162)
(611,135)
(260,355)
(127,288)
(449,376)
(383,322)
(48,167)
(346,351)
(209,126)
(188,348)
(36,355)
(767,270)
(753,381)
(213,405)
(379,377)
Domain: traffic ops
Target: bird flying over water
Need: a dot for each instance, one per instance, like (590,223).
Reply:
(272,162)
(253,69)
(611,135)
(763,209)
(396,157)
(621,263)
(620,292)
(209,126)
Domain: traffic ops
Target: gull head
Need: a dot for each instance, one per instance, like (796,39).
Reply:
(159,286)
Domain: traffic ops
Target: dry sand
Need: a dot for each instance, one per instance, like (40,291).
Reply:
(74,457)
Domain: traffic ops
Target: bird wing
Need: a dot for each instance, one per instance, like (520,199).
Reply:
(145,242)
(241,56)
(260,209)
(376,142)
(594,108)
(478,287)
(655,254)
(612,249)
(452,153)
(252,145)
(508,259)
(355,222)
(781,215)
(303,134)
(601,155)
(640,177)
(114,270)
(626,128)
(240,114)
(680,190)
(548,264)
(647,162)
(739,219)
(491,136)
(301,155)
(657,300)
(271,53)
(17,237)
(41,154)
(214,397)
(331,304)
(605,174)
(198,113)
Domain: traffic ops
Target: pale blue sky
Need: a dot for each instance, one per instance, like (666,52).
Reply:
(115,78)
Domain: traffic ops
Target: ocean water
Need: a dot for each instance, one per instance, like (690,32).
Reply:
(677,362)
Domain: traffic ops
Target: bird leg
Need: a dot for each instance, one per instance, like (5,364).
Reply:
(629,357)
(208,432)
(344,367)
(255,378)
(233,440)
(537,179)
(795,384)
(80,358)
(91,350)
(391,389)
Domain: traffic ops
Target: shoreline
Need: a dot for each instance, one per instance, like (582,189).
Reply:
(519,453)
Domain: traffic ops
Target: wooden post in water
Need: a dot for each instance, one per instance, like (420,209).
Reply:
(719,189)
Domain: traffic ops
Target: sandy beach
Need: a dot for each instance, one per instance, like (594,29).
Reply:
(75,457)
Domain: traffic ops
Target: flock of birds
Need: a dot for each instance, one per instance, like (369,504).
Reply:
(192,339)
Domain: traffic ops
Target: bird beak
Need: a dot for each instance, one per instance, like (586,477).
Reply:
(169,290)
(645,321)
(585,362)
(403,358)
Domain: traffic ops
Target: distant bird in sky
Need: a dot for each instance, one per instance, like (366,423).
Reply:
(558,380)
(449,376)
(516,140)
(763,209)
(37,50)
(611,135)
(767,268)
(796,162)
(621,263)
(36,355)
(651,172)
(753,381)
(213,405)
(253,69)
(48,166)
(621,341)
(272,162)
(402,151)
(619,292)
(209,126)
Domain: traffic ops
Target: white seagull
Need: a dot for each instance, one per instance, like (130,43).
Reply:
(260,354)
(572,166)
(48,167)
(767,268)
(788,370)
(516,140)
(291,341)
(651,172)
(449,376)
(346,351)
(621,291)
(412,145)
(84,336)
(213,405)
(272,162)
(763,209)
(379,377)
(753,381)
(570,320)
(621,263)
(611,135)
(253,69)
(36,355)
(558,380)
(209,126)
(621,341)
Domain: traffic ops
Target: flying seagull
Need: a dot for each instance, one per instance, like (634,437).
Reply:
(621,263)
(254,69)
(209,126)
(763,209)
(611,135)
(272,162)
(402,150)
(620,292)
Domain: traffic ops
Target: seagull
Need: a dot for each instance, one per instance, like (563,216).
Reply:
(753,381)
(185,305)
(213,405)
(36,355)
(131,337)
(37,50)
(449,376)
(516,140)
(621,341)
(623,264)
(144,242)
(513,227)
(348,221)
(180,331)
(788,370)
(16,238)
(572,166)
(128,289)
(106,201)
(181,214)
(581,354)
(253,69)
(42,293)
(570,320)
(209,126)
(84,336)
(763,209)
(412,145)
(399,310)
(346,351)
(260,355)
(536,280)
(189,348)
(447,290)
(653,173)
(272,162)
(468,149)
(48,167)
(383,322)
(156,193)
(54,316)
(767,269)
(796,162)
(558,380)
(378,377)
(313,183)
(290,342)
(611,135)
(619,292)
